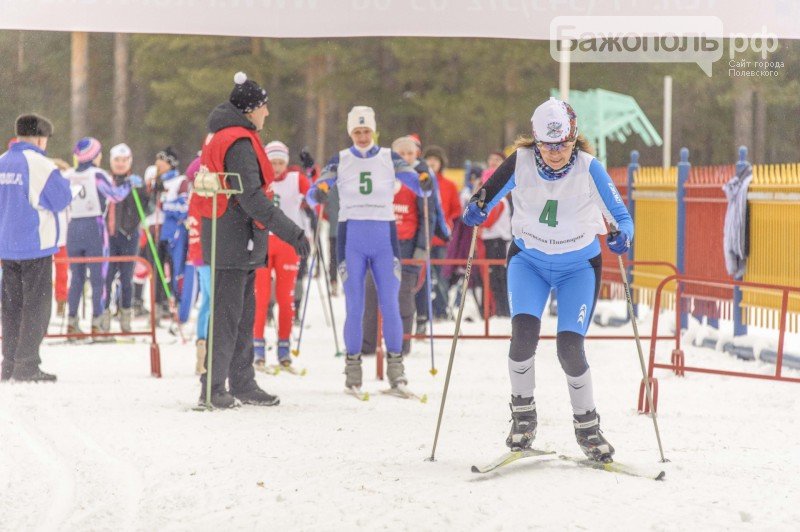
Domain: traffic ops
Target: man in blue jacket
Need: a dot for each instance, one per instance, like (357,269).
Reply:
(32,193)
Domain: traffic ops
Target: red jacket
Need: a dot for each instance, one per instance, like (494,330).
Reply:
(451,205)
(406,213)
(194,225)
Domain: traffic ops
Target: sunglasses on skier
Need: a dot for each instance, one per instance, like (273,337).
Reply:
(555,146)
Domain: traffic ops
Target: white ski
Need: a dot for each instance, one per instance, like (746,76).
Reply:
(356,392)
(511,456)
(402,391)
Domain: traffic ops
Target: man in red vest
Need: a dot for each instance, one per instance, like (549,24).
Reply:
(234,146)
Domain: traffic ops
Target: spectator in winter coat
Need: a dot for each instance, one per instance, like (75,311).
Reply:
(234,146)
(436,159)
(496,236)
(122,220)
(32,193)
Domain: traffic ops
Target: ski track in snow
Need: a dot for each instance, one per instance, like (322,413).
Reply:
(109,448)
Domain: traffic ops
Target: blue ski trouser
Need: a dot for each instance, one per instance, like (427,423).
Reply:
(87,237)
(177,245)
(577,283)
(204,282)
(188,292)
(370,244)
(121,245)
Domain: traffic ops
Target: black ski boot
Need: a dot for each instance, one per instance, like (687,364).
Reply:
(35,376)
(257,396)
(591,439)
(523,423)
(220,398)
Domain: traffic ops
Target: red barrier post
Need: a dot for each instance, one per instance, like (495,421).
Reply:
(155,352)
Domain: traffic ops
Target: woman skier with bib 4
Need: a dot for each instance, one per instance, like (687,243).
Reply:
(561,194)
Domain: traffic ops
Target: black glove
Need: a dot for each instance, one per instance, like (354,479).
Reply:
(301,245)
(425,182)
(305,159)
(321,193)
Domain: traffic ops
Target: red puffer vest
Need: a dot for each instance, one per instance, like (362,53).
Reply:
(213,158)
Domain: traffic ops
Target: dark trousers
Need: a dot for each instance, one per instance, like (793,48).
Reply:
(162,247)
(86,238)
(333,264)
(234,311)
(27,292)
(120,245)
(439,290)
(496,248)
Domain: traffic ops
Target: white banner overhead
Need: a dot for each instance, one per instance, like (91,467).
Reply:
(515,19)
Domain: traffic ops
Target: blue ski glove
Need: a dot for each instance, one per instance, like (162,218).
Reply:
(473,215)
(619,242)
(135,181)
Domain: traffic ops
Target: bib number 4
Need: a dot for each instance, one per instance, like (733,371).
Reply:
(365,183)
(549,213)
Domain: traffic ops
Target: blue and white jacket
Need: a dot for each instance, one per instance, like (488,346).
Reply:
(32,192)
(175,204)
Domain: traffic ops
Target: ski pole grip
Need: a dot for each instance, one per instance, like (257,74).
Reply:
(482,198)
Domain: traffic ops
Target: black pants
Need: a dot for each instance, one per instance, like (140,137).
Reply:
(234,311)
(121,245)
(333,264)
(496,249)
(27,300)
(369,323)
(162,247)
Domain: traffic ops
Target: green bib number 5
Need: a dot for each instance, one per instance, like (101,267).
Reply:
(549,213)
(365,183)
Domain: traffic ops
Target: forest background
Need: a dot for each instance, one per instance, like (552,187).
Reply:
(471,96)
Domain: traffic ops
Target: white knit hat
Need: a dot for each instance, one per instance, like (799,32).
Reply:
(121,150)
(360,116)
(277,150)
(554,121)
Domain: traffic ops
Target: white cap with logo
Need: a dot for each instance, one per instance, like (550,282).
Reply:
(554,121)
(360,116)
(121,150)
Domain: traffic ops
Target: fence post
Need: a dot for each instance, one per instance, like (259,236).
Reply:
(739,327)
(680,253)
(632,169)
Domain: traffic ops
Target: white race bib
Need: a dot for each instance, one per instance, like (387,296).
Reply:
(366,186)
(555,216)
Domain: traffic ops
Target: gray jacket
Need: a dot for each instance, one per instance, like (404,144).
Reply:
(240,244)
(735,244)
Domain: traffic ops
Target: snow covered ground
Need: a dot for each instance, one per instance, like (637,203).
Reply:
(110,448)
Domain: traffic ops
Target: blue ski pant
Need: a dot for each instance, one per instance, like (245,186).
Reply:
(87,237)
(577,283)
(204,282)
(370,244)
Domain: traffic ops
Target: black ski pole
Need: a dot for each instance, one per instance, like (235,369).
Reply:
(465,286)
(647,387)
